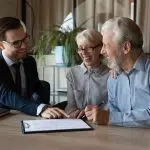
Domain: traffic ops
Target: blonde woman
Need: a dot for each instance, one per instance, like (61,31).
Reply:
(87,83)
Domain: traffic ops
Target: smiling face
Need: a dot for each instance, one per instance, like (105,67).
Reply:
(89,53)
(8,46)
(111,50)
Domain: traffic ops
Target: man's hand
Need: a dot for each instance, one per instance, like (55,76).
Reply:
(53,113)
(97,115)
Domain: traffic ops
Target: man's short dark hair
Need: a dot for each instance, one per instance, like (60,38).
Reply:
(8,23)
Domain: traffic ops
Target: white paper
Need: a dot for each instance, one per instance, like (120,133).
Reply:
(54,125)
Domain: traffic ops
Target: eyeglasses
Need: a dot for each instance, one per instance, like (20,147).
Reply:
(88,49)
(18,43)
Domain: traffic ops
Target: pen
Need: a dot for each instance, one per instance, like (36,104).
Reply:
(83,117)
(91,106)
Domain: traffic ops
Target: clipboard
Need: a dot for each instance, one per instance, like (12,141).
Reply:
(54,125)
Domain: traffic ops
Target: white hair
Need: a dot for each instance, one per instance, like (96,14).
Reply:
(125,29)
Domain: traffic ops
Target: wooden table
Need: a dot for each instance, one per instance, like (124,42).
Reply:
(102,138)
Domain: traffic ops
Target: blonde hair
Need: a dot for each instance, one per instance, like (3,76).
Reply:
(89,36)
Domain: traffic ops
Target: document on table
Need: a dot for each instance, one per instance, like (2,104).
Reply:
(54,125)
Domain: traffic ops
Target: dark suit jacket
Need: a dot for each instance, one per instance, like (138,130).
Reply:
(8,95)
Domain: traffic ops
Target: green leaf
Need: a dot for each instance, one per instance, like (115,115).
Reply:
(54,37)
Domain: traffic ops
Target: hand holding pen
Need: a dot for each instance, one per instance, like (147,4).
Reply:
(97,115)
(82,112)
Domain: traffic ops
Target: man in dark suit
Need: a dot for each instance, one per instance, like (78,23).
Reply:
(20,87)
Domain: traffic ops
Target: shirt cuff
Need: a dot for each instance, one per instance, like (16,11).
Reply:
(39,109)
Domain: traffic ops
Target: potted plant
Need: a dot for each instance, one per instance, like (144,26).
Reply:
(58,36)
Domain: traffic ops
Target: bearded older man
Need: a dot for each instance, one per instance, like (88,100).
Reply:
(129,93)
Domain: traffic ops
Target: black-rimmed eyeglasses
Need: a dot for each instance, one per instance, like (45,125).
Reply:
(88,49)
(18,43)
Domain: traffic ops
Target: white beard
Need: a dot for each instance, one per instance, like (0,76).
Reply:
(114,65)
